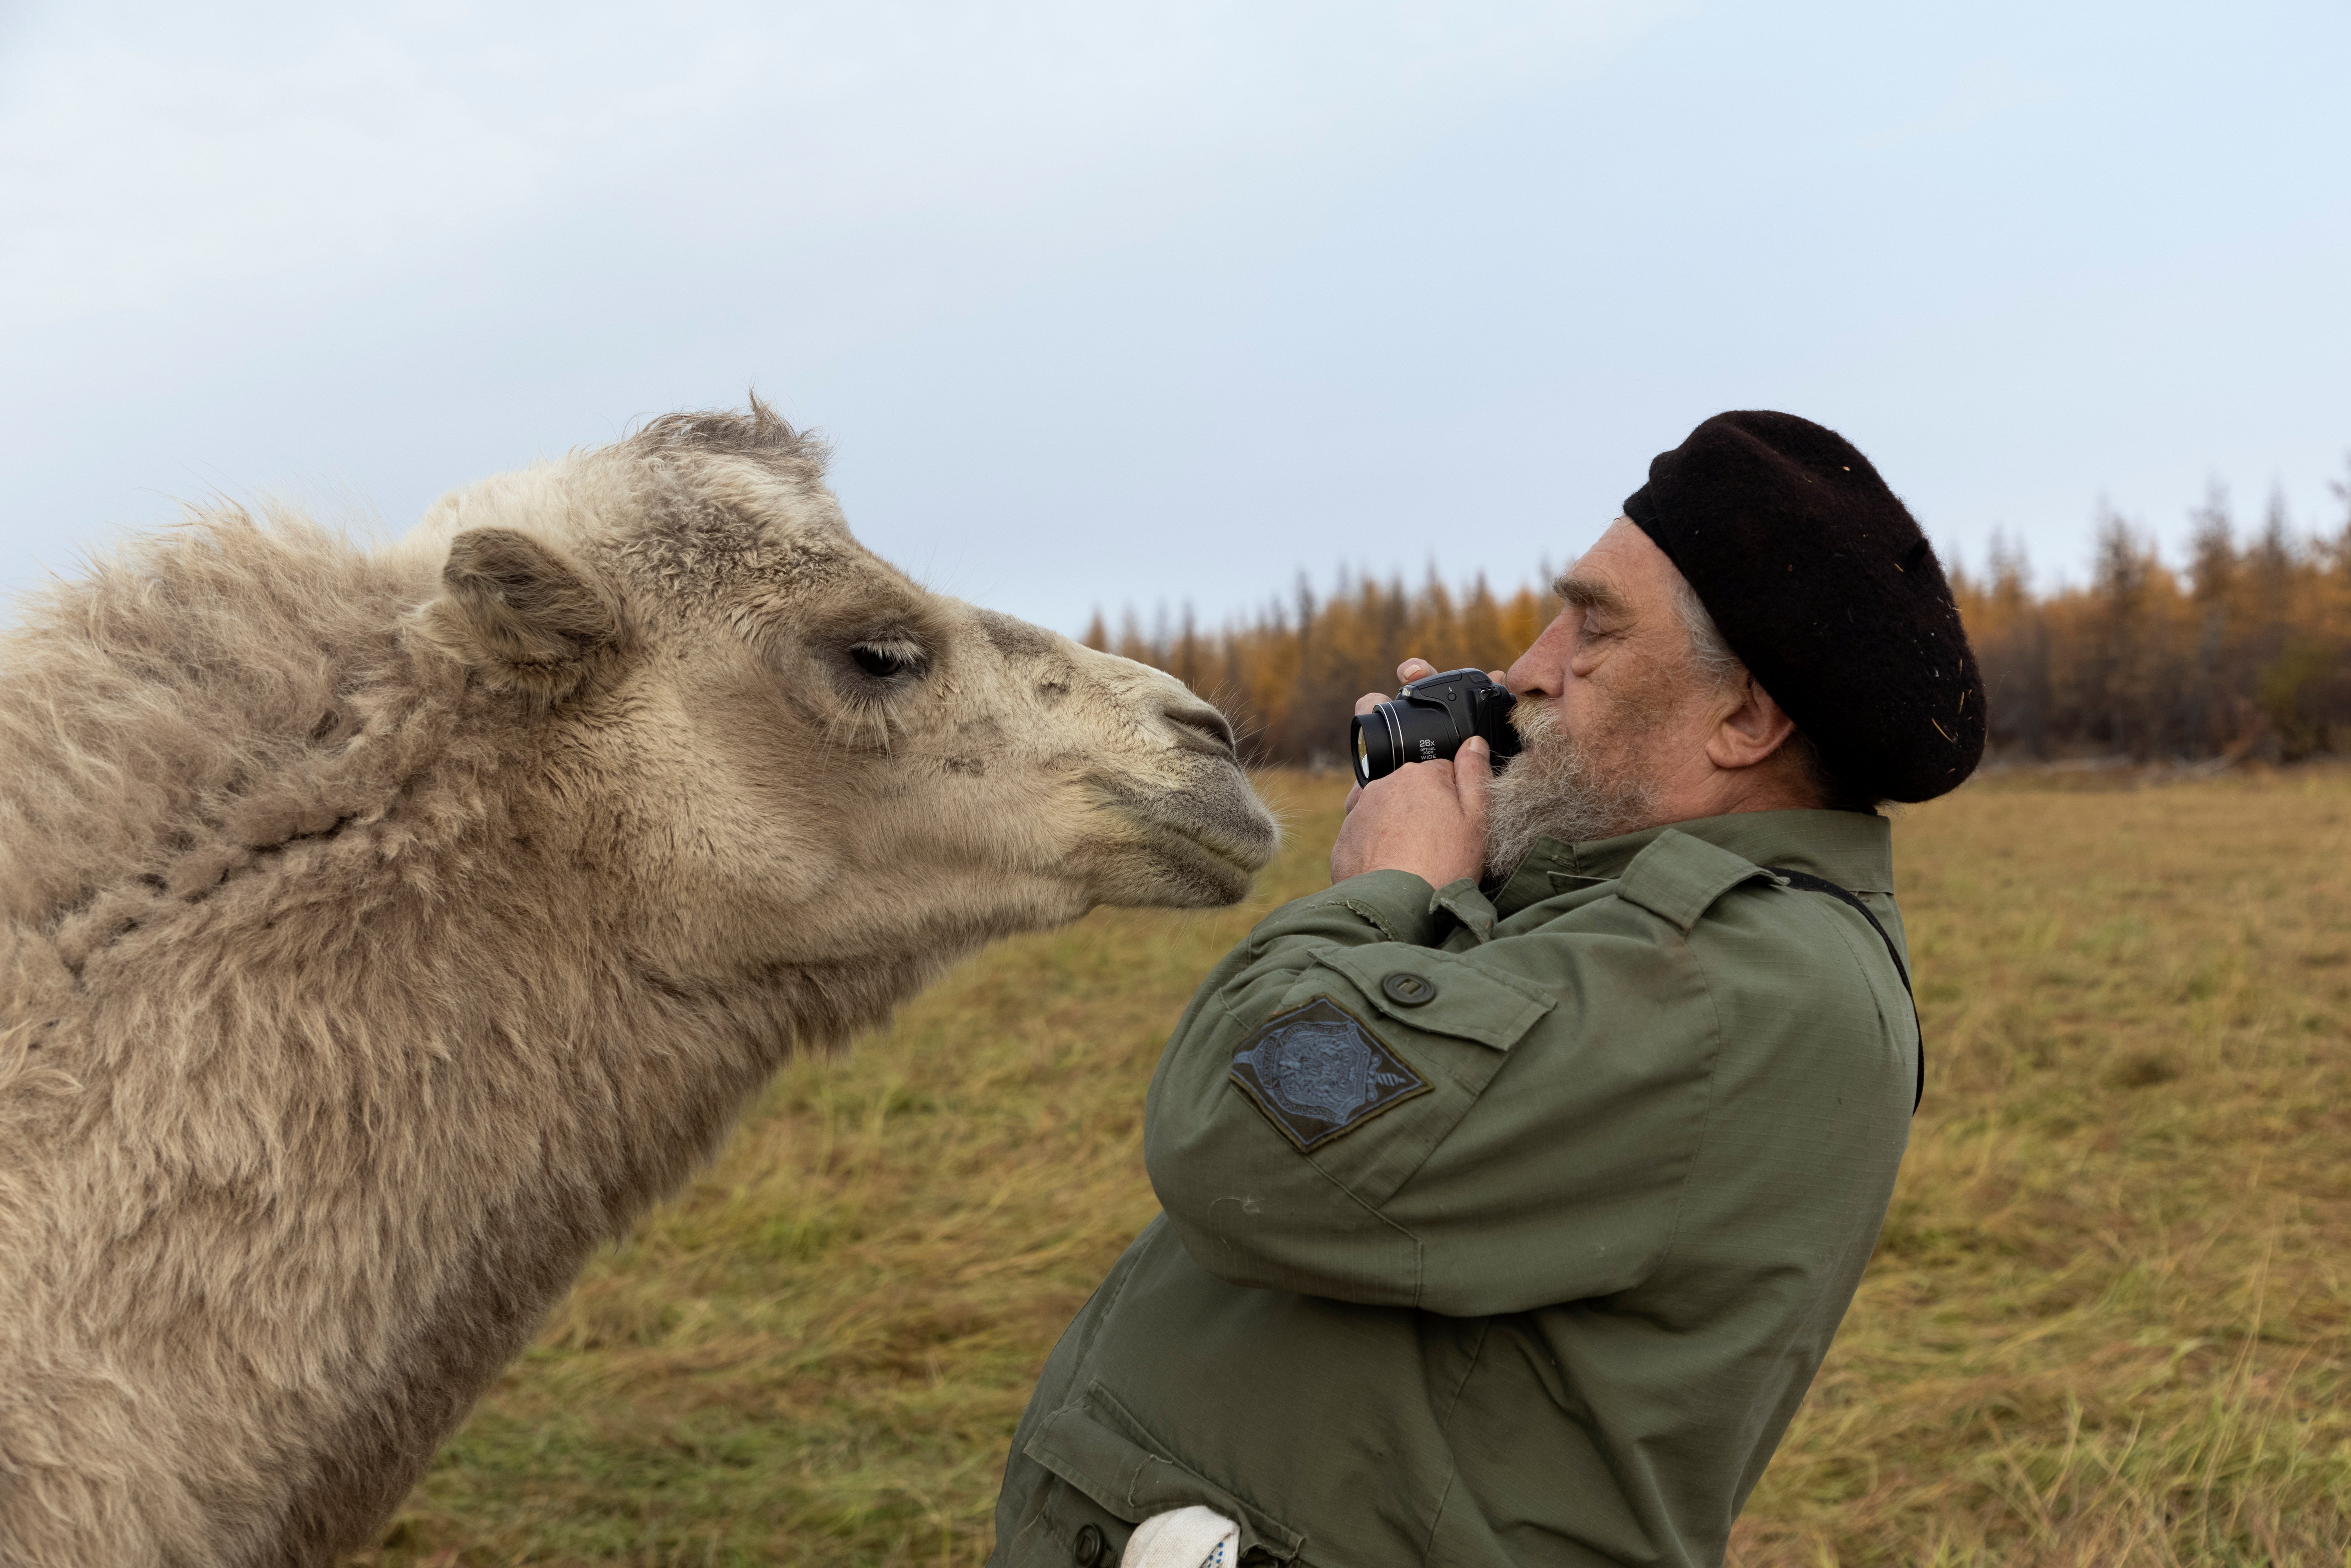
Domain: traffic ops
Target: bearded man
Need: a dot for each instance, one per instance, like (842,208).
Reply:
(1514,1187)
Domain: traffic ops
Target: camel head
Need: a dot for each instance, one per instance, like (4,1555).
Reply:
(378,934)
(784,753)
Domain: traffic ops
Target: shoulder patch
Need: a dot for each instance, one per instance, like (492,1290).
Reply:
(1316,1071)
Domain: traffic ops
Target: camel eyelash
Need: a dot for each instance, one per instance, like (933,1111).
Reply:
(888,657)
(883,661)
(871,669)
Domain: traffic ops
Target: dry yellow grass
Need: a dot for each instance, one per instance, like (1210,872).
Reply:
(2109,1320)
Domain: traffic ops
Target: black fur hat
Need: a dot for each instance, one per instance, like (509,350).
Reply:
(1821,581)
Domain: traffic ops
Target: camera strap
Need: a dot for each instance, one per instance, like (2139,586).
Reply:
(1811,884)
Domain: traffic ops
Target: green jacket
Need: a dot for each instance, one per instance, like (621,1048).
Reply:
(1495,1232)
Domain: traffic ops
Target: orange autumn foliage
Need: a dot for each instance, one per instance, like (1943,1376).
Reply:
(2245,652)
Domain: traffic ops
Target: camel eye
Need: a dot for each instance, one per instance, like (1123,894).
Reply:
(883,661)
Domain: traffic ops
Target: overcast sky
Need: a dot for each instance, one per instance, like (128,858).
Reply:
(1104,304)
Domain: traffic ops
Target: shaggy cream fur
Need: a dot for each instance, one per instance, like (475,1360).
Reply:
(379,934)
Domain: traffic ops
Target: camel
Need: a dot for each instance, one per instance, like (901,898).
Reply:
(381,930)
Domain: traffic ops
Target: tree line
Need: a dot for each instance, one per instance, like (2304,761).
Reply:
(1289,675)
(2242,651)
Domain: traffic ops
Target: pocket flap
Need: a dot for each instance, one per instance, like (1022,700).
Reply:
(1101,1449)
(1441,993)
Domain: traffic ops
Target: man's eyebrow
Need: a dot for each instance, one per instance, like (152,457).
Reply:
(1589,594)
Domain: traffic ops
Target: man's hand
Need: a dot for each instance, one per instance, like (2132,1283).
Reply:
(1427,818)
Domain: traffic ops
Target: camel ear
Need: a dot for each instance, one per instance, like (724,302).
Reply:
(513,610)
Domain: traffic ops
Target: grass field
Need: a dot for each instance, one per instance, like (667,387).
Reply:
(2109,1320)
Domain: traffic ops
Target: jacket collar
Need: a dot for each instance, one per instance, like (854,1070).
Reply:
(1853,848)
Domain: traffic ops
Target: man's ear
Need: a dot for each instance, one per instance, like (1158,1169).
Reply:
(518,614)
(1754,729)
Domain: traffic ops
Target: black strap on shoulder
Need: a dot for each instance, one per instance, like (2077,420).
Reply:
(1811,884)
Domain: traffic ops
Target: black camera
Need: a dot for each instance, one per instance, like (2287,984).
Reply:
(1430,718)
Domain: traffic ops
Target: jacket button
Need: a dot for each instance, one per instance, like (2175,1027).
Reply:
(1408,990)
(1090,1553)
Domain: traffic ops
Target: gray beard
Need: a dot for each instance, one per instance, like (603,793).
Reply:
(1562,787)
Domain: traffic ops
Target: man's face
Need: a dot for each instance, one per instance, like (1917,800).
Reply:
(1610,709)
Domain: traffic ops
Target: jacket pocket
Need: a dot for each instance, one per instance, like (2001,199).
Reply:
(1097,1447)
(1427,993)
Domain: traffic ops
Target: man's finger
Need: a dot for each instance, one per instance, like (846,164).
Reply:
(1473,775)
(1499,678)
(1369,701)
(1412,670)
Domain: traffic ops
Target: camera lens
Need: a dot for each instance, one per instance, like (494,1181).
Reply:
(1405,730)
(1376,744)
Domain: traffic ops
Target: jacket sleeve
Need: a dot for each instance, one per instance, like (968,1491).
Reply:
(1543,1100)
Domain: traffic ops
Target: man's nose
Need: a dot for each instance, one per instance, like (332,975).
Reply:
(1541,670)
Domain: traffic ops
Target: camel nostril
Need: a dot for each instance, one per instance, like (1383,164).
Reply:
(1199,727)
